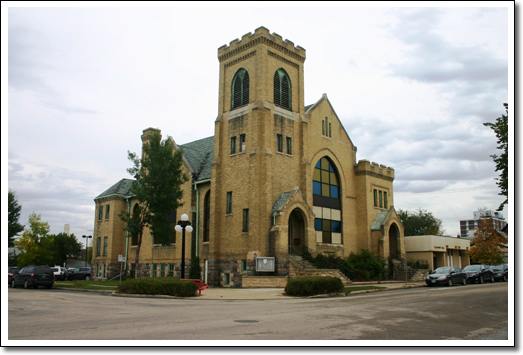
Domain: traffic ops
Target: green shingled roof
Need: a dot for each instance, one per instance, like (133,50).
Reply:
(282,201)
(378,222)
(122,188)
(199,155)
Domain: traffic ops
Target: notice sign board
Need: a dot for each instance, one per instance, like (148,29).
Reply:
(265,264)
(121,258)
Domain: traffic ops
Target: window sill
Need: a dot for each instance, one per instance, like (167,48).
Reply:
(288,155)
(281,153)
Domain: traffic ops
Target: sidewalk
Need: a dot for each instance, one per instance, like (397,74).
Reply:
(223,293)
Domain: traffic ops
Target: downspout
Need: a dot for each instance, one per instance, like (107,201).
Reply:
(197,216)
(127,236)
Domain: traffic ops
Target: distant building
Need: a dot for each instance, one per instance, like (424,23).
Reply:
(438,250)
(468,227)
(67,229)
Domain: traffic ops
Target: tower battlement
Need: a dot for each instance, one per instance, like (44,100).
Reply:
(261,35)
(365,167)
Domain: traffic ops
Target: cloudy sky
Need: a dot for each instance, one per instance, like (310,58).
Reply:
(412,87)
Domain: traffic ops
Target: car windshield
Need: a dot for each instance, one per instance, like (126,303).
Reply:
(442,270)
(472,268)
(497,268)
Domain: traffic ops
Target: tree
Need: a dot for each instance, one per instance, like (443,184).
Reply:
(35,244)
(14,228)
(157,188)
(420,222)
(487,243)
(65,245)
(501,130)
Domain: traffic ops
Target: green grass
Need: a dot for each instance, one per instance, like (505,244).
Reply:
(362,288)
(88,285)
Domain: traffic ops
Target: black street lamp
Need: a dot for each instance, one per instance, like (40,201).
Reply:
(86,242)
(182,226)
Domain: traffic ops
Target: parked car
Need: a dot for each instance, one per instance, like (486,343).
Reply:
(447,275)
(479,273)
(12,271)
(500,272)
(80,273)
(34,276)
(60,273)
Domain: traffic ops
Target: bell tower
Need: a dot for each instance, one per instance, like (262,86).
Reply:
(259,143)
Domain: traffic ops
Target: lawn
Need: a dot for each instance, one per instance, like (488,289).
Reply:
(88,285)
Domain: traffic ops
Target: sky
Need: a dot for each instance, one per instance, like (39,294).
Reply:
(411,85)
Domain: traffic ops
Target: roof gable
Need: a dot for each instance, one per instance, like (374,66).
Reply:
(121,188)
(199,155)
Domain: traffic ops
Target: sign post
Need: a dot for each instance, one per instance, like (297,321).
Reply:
(121,259)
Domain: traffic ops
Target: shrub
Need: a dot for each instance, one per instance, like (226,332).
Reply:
(171,286)
(313,285)
(194,271)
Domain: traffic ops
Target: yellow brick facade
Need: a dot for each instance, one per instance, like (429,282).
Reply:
(282,156)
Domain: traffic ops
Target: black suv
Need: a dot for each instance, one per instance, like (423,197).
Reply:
(81,273)
(34,276)
(479,273)
(12,271)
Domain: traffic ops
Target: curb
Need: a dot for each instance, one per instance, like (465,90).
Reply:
(83,290)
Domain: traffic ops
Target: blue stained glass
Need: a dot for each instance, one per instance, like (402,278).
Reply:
(318,164)
(335,191)
(336,226)
(317,224)
(316,188)
(331,167)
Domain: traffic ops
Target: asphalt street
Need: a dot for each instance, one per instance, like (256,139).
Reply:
(470,312)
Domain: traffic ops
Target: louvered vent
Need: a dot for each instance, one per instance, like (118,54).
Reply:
(282,89)
(240,89)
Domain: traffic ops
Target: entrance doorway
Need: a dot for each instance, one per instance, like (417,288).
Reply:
(394,250)
(297,240)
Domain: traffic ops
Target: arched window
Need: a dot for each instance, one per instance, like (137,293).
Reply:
(326,191)
(282,89)
(206,216)
(240,89)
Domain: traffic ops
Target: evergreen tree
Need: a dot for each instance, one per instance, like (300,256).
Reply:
(14,227)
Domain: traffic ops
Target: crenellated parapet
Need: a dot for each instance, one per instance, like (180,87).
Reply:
(365,167)
(261,35)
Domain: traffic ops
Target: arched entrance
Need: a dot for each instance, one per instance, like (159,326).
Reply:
(394,245)
(297,237)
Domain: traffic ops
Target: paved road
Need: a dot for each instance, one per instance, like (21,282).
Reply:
(439,313)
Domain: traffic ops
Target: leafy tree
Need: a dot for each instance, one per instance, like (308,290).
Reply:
(501,130)
(195,270)
(159,178)
(420,222)
(14,228)
(485,247)
(35,244)
(65,245)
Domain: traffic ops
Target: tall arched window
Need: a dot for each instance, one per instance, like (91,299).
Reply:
(136,218)
(282,89)
(326,191)
(206,216)
(240,89)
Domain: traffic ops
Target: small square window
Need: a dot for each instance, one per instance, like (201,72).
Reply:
(226,279)
(244,265)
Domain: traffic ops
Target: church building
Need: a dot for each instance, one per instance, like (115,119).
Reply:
(277,179)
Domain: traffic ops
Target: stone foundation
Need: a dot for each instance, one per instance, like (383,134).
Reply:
(264,281)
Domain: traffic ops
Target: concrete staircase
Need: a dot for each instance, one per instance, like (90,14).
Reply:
(410,274)
(299,267)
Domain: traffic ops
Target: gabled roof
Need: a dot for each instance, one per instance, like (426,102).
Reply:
(199,155)
(379,221)
(121,188)
(282,201)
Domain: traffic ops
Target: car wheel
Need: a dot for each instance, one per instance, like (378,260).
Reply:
(88,278)
(13,285)
(449,282)
(26,285)
(491,278)
(464,282)
(505,278)
(480,279)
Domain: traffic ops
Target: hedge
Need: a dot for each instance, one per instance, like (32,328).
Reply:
(313,285)
(171,286)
